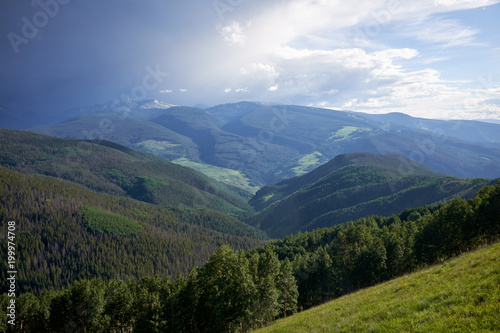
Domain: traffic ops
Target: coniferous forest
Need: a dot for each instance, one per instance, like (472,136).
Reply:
(239,288)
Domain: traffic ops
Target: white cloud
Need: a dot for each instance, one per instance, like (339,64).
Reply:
(273,88)
(338,54)
(167,91)
(233,34)
(447,33)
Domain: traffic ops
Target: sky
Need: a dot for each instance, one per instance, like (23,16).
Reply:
(428,58)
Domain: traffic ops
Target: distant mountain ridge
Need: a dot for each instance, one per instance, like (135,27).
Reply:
(352,186)
(262,143)
(469,130)
(110,168)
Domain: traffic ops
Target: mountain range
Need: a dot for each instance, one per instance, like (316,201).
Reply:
(249,145)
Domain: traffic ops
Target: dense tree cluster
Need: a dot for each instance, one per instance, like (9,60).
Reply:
(231,292)
(66,233)
(331,262)
(239,291)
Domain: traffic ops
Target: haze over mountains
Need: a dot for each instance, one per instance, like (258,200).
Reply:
(251,144)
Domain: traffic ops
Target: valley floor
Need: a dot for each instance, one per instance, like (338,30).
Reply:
(459,295)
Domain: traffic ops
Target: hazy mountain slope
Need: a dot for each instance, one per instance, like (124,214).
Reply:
(266,143)
(222,148)
(469,130)
(459,295)
(110,168)
(318,135)
(353,186)
(442,154)
(125,130)
(65,232)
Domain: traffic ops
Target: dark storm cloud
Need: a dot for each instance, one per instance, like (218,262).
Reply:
(59,54)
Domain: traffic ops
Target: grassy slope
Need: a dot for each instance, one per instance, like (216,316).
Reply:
(460,295)
(233,178)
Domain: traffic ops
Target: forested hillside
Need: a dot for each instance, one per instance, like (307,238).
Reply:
(67,233)
(107,167)
(240,291)
(353,186)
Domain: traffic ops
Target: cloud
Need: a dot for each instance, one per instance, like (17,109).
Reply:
(447,33)
(233,34)
(370,55)
(273,88)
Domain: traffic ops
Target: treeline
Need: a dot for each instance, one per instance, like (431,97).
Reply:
(331,262)
(239,291)
(230,293)
(66,233)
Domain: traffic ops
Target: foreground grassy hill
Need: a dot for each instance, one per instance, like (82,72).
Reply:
(459,295)
(352,186)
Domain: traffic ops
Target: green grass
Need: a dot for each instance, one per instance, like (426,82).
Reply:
(459,295)
(164,149)
(345,132)
(230,177)
(308,162)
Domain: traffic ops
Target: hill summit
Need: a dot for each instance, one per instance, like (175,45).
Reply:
(352,186)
